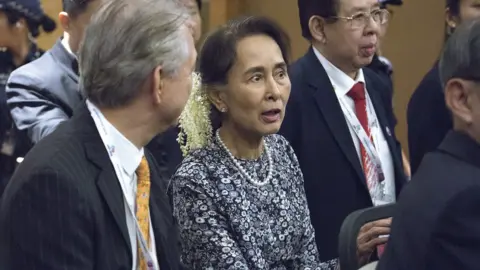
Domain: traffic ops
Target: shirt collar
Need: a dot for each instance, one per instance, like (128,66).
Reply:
(128,154)
(66,45)
(341,82)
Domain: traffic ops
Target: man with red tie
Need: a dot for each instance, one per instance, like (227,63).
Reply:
(340,122)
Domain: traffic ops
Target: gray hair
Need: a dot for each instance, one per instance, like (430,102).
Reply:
(461,54)
(124,42)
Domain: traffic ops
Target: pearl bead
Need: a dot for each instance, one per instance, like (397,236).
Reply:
(240,167)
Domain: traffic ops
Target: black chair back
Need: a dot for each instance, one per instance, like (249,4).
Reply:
(351,227)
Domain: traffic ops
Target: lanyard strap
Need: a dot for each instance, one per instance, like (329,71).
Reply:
(100,120)
(370,150)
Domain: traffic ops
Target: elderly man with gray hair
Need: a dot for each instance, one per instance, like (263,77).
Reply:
(89,196)
(436,225)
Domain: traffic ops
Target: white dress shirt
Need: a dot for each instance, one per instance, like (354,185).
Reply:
(130,157)
(342,84)
(66,45)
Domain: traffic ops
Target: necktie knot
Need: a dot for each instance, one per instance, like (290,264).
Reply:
(357,92)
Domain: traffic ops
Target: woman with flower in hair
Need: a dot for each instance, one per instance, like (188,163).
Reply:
(238,195)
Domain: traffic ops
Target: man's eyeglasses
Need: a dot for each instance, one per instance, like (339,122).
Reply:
(360,20)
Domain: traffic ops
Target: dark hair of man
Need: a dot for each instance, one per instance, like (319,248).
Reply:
(309,8)
(75,7)
(219,52)
(199,4)
(461,54)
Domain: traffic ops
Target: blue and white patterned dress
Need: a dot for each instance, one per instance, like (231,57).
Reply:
(226,222)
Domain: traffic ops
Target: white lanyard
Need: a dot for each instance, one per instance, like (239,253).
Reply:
(107,140)
(370,150)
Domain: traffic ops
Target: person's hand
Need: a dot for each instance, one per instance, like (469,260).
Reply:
(368,238)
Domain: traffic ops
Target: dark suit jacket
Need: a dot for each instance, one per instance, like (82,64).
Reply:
(166,151)
(428,118)
(437,221)
(42,94)
(7,65)
(315,126)
(63,208)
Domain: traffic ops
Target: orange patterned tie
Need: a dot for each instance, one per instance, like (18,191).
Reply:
(143,196)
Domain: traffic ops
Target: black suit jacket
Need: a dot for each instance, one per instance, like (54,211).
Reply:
(64,208)
(42,94)
(166,151)
(428,118)
(315,126)
(437,221)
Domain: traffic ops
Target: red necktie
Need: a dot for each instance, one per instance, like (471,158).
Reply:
(357,93)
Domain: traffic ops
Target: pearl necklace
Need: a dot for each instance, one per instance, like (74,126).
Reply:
(242,170)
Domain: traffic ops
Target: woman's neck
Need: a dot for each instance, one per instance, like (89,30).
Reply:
(240,144)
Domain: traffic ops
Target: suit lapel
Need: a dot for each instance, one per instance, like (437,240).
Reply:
(386,130)
(107,181)
(331,111)
(380,112)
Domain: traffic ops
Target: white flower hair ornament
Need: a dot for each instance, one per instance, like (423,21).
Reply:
(195,126)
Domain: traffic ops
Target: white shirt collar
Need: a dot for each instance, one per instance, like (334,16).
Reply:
(341,82)
(128,154)
(66,45)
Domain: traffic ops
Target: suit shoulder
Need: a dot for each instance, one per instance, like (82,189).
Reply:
(429,87)
(62,146)
(37,73)
(295,70)
(443,173)
(380,84)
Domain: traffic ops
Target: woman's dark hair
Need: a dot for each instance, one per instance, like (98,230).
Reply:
(219,52)
(46,23)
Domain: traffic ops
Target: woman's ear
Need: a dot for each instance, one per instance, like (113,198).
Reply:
(217,97)
(316,24)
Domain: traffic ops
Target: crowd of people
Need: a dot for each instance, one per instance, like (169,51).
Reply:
(124,149)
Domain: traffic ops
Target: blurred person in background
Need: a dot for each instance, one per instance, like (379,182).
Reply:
(428,118)
(21,22)
(436,224)
(383,67)
(43,93)
(339,122)
(89,195)
(165,147)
